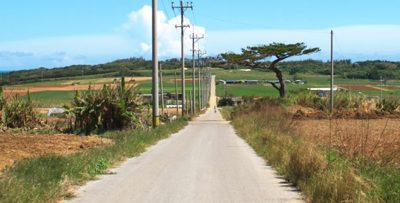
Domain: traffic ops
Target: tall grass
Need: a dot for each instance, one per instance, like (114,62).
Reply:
(322,175)
(48,178)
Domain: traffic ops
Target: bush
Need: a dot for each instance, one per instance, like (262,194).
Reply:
(18,113)
(226,101)
(389,104)
(342,100)
(111,108)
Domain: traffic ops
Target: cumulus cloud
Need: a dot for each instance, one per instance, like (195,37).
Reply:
(139,29)
(133,38)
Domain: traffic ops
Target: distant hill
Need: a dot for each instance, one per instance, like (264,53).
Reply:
(373,70)
(127,67)
(135,67)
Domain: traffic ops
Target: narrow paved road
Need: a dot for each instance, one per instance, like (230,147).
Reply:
(205,162)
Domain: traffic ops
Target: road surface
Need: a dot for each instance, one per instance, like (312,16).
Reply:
(205,162)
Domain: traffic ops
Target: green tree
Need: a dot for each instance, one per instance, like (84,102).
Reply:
(256,56)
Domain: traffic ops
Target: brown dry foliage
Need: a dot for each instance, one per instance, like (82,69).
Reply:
(377,140)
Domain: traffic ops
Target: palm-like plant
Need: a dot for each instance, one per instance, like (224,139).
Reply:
(111,108)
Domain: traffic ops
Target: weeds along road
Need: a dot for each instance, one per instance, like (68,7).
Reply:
(205,162)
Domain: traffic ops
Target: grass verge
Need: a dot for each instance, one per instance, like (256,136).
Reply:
(49,178)
(322,174)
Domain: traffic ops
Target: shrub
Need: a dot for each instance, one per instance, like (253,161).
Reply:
(389,104)
(18,113)
(111,108)
(226,101)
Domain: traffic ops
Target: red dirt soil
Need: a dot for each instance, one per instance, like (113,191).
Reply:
(68,86)
(15,147)
(362,87)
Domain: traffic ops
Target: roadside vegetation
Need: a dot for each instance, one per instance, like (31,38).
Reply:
(50,178)
(115,113)
(111,108)
(330,168)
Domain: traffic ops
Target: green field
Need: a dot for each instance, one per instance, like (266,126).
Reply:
(51,99)
(57,99)
(312,81)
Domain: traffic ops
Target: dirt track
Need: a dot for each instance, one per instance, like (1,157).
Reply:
(17,147)
(363,87)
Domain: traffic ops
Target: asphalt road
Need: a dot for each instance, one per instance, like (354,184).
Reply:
(205,162)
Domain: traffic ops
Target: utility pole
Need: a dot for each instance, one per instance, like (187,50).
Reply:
(176,96)
(182,9)
(195,38)
(162,89)
(155,83)
(332,74)
(199,53)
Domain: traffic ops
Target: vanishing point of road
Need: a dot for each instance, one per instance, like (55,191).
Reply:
(204,162)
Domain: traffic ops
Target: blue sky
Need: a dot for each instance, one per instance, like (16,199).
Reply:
(57,33)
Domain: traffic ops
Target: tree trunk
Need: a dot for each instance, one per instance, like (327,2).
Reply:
(282,87)
(279,76)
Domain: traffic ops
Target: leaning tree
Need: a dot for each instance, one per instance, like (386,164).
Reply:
(257,56)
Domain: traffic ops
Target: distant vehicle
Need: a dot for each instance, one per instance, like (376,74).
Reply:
(221,82)
(251,82)
(300,82)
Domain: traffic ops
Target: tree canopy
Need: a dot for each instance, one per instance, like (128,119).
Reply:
(256,57)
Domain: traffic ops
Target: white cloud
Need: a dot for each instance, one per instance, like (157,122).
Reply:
(139,29)
(133,38)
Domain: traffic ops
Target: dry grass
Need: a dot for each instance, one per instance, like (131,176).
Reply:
(15,147)
(267,128)
(377,140)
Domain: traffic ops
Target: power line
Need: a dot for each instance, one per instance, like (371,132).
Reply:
(165,9)
(182,8)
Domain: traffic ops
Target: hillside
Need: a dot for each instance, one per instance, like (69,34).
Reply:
(127,67)
(134,67)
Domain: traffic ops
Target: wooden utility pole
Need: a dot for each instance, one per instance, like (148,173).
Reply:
(176,95)
(199,53)
(332,74)
(155,83)
(162,89)
(182,9)
(194,38)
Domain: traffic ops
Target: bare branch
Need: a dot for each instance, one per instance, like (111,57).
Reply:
(274,85)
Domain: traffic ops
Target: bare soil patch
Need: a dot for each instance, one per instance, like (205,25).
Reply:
(111,80)
(14,147)
(10,90)
(363,87)
(376,139)
(392,87)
